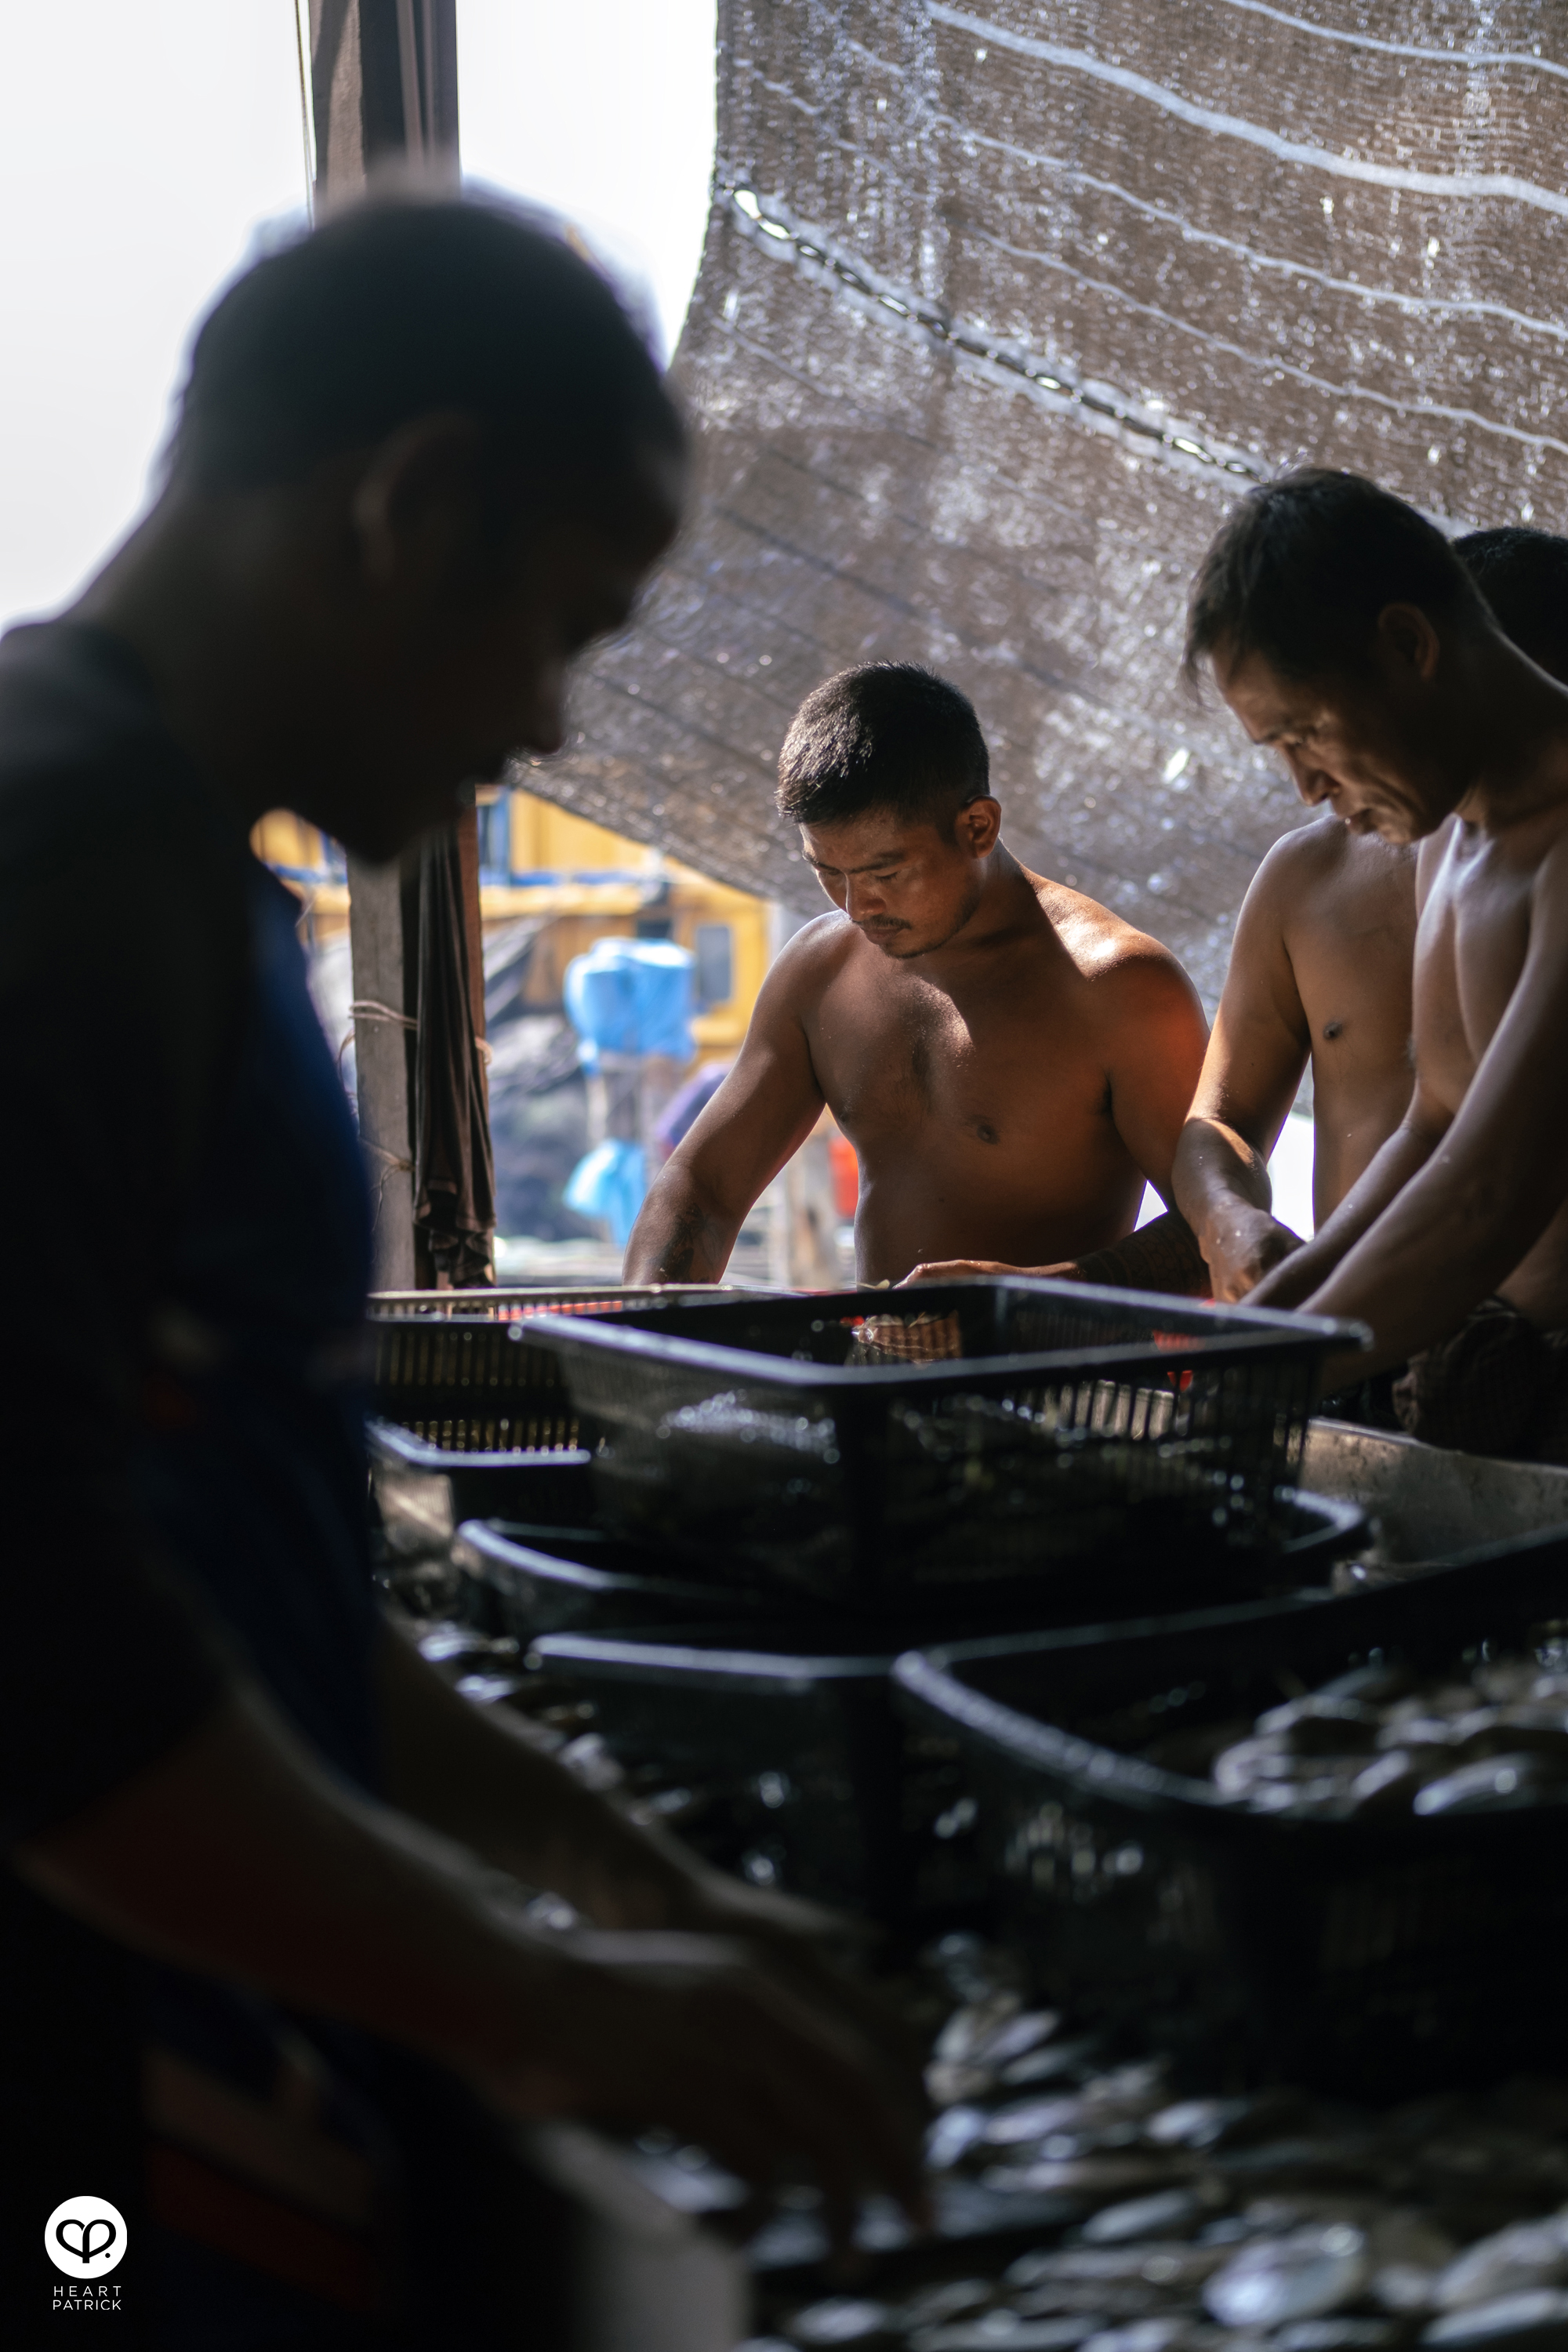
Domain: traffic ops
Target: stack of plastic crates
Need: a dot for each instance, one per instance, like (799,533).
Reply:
(470,1417)
(872,1450)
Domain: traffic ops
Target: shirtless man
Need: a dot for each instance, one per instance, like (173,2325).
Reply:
(1010,1061)
(1321,969)
(1343,630)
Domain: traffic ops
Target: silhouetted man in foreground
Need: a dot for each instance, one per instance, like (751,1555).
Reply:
(422,461)
(1010,1061)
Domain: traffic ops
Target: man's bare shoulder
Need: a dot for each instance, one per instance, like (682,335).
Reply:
(1310,855)
(1326,852)
(1105,947)
(812,958)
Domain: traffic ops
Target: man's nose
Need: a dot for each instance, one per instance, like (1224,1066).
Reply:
(1313,784)
(861,899)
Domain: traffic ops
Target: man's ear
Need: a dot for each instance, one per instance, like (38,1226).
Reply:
(1405,636)
(979,826)
(416,507)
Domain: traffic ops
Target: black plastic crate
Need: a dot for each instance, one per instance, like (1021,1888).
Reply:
(541,1580)
(1380,1957)
(458,1371)
(789,1720)
(470,1417)
(547,1578)
(867,1446)
(424,1493)
(802,1774)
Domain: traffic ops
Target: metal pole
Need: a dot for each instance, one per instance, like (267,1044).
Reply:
(383,84)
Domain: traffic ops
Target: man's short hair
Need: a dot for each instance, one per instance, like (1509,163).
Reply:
(885,735)
(402,307)
(1523,576)
(1299,570)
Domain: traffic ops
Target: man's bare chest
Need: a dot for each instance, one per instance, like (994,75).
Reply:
(1353,969)
(996,1065)
(1470,954)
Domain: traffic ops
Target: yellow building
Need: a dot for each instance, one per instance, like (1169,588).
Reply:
(581,884)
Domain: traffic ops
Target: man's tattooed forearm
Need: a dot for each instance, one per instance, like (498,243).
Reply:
(675,1258)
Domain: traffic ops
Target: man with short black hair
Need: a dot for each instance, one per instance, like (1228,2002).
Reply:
(1320,972)
(264,1934)
(1343,630)
(1011,1062)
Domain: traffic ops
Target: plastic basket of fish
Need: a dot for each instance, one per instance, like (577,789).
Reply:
(865,1447)
(461,1372)
(470,1417)
(794,1740)
(1334,1835)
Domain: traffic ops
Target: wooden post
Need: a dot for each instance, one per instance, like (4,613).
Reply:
(384,86)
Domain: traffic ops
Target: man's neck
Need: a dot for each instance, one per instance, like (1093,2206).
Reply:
(1520,753)
(1006,908)
(168,595)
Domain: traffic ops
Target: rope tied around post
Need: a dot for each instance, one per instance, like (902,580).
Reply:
(370,1008)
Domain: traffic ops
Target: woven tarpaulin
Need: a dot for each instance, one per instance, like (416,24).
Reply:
(999,306)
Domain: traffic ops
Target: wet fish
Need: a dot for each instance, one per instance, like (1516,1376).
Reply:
(1536,2321)
(1303,2275)
(1530,2254)
(1500,1784)
(1169,2213)
(1381,1743)
(841,2319)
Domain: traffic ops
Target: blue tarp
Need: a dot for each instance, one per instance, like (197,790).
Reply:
(631,996)
(609,1182)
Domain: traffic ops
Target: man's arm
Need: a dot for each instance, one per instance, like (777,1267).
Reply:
(477,1775)
(758,1120)
(1404,1156)
(1494,1176)
(1250,1075)
(1157,1056)
(236,1856)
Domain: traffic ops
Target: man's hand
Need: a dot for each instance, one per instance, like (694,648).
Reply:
(959,1269)
(239,1856)
(1242,1245)
(683,2032)
(1160,1255)
(801,1943)
(475,1774)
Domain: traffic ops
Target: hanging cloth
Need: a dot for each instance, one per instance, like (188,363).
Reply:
(454,1170)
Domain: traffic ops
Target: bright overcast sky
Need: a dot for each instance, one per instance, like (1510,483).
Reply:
(145,144)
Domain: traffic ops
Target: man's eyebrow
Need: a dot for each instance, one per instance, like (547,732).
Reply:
(890,857)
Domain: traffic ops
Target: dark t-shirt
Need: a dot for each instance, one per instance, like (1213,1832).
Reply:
(189,1254)
(186,1249)
(186,1252)
(120,977)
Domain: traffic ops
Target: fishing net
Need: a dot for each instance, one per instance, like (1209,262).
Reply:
(999,306)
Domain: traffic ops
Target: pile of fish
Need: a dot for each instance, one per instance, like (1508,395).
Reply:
(1381,1743)
(1260,2222)
(1086,2202)
(721,1817)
